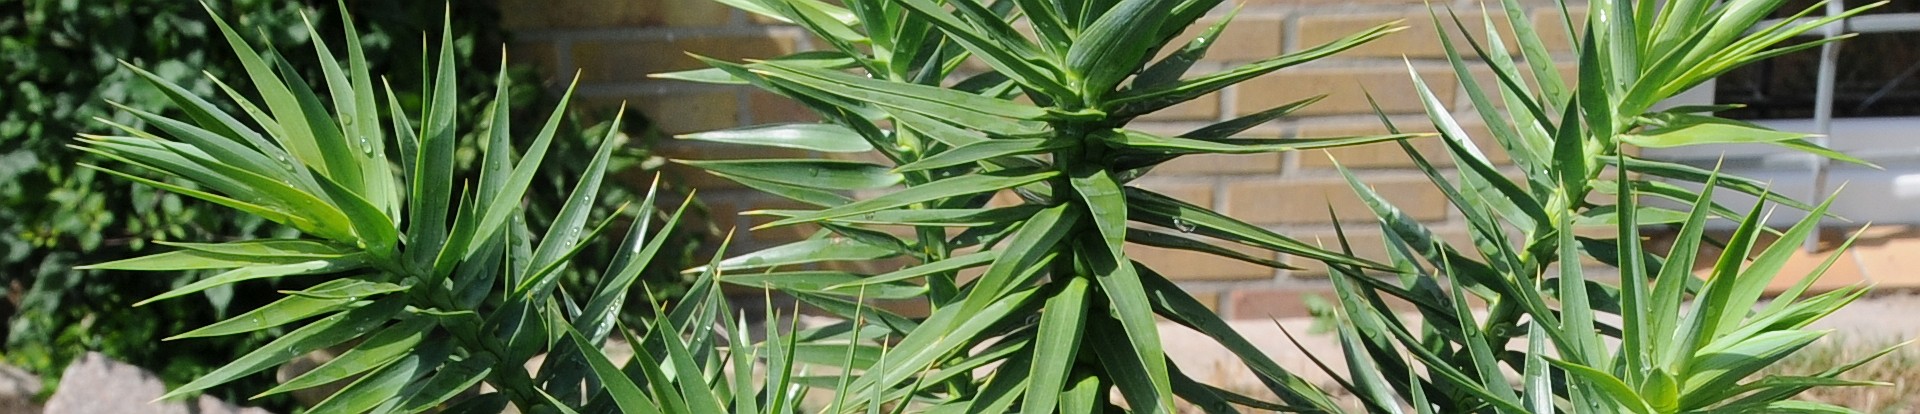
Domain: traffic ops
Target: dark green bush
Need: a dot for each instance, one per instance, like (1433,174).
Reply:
(63,71)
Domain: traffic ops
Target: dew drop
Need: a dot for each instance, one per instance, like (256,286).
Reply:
(366,146)
(1183,225)
(814,172)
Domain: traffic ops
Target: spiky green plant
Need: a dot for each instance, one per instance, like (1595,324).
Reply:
(464,293)
(1683,344)
(1046,120)
(430,322)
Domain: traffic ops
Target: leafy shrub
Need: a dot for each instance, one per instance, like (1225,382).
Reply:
(431,321)
(64,72)
(1684,344)
(1068,158)
(419,310)
(889,86)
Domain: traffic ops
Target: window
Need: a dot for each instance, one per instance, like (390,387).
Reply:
(1875,115)
(1878,74)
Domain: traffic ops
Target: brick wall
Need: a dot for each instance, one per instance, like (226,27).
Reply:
(615,43)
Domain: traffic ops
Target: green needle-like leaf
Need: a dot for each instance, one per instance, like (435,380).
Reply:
(957,186)
(623,390)
(809,173)
(804,252)
(1056,343)
(376,351)
(1160,210)
(1115,45)
(326,332)
(810,137)
(983,150)
(1148,143)
(324,298)
(341,264)
(386,383)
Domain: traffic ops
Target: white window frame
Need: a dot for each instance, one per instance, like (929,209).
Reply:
(1889,196)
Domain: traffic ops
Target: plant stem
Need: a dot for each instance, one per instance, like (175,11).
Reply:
(508,376)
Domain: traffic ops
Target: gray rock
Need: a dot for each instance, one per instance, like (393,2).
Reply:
(95,384)
(305,363)
(17,390)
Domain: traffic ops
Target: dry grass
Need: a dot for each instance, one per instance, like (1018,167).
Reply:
(1901,368)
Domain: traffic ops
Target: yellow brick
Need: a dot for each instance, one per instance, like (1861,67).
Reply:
(1211,300)
(1182,265)
(1366,244)
(1347,89)
(1491,84)
(570,14)
(1005,198)
(1274,302)
(1248,37)
(1418,40)
(1208,164)
(683,112)
(1200,193)
(1205,108)
(630,60)
(1306,201)
(766,108)
(1389,155)
(1552,27)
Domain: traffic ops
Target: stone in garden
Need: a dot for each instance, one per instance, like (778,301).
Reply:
(17,391)
(95,384)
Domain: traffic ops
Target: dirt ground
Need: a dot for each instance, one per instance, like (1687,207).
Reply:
(1872,322)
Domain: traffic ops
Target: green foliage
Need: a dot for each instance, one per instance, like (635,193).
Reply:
(952,142)
(415,269)
(441,283)
(1068,156)
(64,71)
(1660,341)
